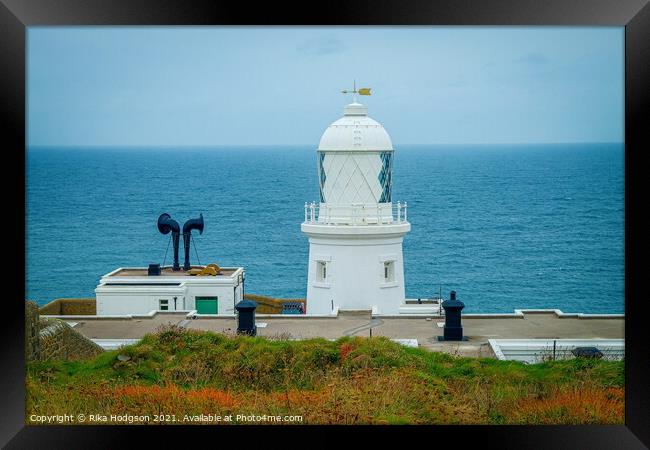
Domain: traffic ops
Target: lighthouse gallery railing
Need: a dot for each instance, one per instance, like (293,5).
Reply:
(382,213)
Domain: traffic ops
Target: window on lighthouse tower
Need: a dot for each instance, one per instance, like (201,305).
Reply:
(389,271)
(321,270)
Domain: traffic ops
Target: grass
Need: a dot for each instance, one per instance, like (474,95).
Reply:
(353,380)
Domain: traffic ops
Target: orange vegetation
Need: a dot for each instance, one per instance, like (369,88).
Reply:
(573,406)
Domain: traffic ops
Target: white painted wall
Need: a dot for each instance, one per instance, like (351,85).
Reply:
(137,298)
(355,271)
(533,351)
(225,296)
(118,300)
(114,344)
(238,294)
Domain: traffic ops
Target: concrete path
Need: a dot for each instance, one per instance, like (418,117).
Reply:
(373,323)
(478,329)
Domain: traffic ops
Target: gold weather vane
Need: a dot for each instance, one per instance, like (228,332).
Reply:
(360,91)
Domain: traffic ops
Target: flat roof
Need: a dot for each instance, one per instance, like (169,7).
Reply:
(168,272)
(124,329)
(478,330)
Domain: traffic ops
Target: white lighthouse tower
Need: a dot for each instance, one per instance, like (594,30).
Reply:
(355,231)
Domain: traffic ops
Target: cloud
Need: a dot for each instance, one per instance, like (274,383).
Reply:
(321,46)
(532,58)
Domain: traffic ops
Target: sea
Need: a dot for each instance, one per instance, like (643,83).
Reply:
(505,226)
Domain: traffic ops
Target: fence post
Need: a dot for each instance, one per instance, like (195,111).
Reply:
(554,349)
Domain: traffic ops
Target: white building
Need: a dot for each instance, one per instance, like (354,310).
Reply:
(133,291)
(355,231)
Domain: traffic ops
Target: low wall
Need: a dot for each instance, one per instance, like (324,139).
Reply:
(70,307)
(88,306)
(270,305)
(533,351)
(32,341)
(58,340)
(53,338)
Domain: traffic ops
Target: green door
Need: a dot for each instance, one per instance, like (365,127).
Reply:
(207,305)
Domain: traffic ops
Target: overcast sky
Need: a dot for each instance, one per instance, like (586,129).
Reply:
(174,86)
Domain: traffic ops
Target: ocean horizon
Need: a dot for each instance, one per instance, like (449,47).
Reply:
(508,226)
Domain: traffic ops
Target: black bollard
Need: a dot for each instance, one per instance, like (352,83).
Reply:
(246,317)
(154,269)
(453,330)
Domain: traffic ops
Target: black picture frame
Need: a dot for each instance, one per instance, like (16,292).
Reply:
(634,15)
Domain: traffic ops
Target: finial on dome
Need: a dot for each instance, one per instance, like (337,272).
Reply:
(355,109)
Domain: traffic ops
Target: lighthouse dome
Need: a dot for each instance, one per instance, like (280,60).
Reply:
(355,131)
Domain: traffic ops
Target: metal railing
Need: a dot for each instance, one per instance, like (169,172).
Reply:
(382,213)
